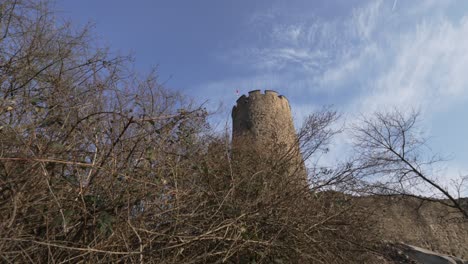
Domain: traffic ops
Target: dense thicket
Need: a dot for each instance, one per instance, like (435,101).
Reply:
(99,165)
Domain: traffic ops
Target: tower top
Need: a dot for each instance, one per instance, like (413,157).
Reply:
(270,99)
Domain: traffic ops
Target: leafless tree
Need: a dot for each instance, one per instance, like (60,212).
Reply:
(392,152)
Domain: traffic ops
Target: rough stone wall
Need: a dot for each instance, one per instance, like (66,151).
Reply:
(428,225)
(263,122)
(263,117)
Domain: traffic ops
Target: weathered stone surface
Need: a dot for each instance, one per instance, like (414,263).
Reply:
(428,225)
(265,119)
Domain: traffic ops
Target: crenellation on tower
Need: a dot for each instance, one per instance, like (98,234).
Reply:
(242,99)
(269,98)
(255,92)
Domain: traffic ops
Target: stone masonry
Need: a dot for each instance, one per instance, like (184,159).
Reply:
(262,122)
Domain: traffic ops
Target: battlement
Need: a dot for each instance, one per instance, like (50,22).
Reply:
(269,97)
(258,93)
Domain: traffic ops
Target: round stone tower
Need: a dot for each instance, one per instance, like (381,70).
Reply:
(263,122)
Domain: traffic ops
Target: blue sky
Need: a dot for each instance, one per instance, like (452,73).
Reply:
(359,56)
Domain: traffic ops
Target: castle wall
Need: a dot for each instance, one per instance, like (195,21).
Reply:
(429,225)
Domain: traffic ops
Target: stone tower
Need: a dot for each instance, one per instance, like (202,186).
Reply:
(262,122)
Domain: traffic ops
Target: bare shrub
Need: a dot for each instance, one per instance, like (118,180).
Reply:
(97,165)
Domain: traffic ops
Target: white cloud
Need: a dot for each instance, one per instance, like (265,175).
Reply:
(348,66)
(365,19)
(424,7)
(426,68)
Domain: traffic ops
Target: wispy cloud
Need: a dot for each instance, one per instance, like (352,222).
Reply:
(365,19)
(319,53)
(423,67)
